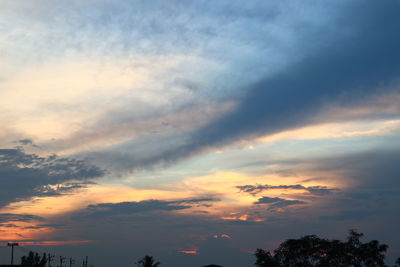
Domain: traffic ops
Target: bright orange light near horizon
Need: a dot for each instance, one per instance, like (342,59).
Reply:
(22,231)
(222,236)
(243,217)
(190,252)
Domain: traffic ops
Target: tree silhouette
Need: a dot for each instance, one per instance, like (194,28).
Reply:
(397,263)
(264,259)
(34,260)
(312,251)
(148,261)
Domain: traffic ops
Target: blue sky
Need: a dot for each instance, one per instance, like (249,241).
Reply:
(197,131)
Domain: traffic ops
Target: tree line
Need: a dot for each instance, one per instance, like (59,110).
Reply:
(307,251)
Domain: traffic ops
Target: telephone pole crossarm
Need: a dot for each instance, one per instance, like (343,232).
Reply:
(12,245)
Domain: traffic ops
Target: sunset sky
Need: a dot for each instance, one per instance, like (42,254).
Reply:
(196,131)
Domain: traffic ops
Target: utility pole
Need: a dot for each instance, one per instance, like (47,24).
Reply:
(86,261)
(50,259)
(12,245)
(62,259)
(71,261)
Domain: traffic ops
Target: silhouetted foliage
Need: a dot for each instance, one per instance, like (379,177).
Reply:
(312,251)
(264,258)
(148,261)
(397,263)
(34,260)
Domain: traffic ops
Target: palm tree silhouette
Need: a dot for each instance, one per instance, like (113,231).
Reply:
(148,261)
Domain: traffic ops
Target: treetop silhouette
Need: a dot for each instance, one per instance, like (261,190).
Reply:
(34,260)
(312,251)
(147,261)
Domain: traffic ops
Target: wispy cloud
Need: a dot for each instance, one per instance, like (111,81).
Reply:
(10,217)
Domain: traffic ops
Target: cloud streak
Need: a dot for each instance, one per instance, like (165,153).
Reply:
(11,217)
(23,176)
(110,209)
(256,189)
(276,202)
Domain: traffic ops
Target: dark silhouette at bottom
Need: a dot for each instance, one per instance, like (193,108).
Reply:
(34,260)
(147,261)
(312,251)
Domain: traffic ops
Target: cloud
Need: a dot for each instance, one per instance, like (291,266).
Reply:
(110,209)
(23,176)
(11,217)
(61,189)
(276,202)
(268,200)
(8,225)
(41,226)
(26,142)
(256,189)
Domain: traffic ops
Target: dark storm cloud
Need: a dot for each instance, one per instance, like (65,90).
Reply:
(11,217)
(343,69)
(144,206)
(23,175)
(276,202)
(355,59)
(256,189)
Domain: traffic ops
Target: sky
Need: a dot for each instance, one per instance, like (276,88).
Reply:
(196,131)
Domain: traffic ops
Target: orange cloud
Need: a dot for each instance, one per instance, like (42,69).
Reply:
(190,251)
(222,236)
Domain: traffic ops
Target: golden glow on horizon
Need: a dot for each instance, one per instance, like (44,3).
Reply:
(22,230)
(220,185)
(232,205)
(53,206)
